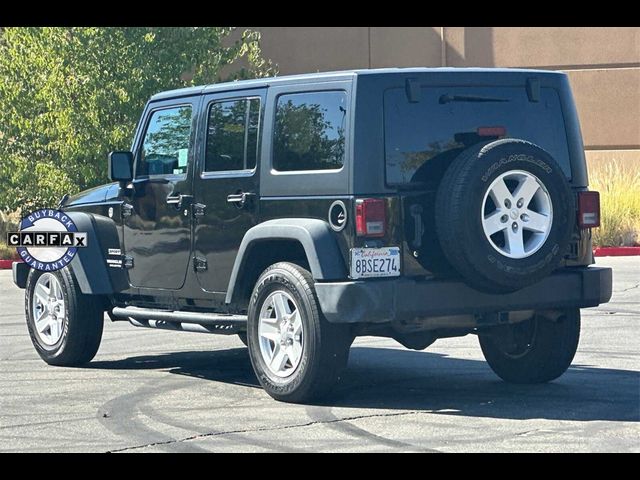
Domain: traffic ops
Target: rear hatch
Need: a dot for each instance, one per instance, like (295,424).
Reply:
(429,119)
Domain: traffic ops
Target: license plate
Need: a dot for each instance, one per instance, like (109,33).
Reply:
(375,262)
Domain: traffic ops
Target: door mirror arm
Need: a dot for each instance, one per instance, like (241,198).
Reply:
(127,189)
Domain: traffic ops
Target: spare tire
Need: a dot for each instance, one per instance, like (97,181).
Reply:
(504,215)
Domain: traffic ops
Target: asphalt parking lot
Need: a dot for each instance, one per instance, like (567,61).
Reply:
(159,391)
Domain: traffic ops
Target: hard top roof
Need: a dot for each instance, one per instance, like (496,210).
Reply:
(331,76)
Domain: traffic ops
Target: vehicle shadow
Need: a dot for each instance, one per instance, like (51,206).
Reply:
(383,378)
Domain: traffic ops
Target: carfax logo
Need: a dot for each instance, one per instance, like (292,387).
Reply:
(48,240)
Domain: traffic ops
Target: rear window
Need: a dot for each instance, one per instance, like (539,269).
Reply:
(446,120)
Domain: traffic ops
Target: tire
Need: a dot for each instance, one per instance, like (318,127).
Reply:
(541,223)
(75,339)
(243,338)
(430,255)
(318,350)
(536,351)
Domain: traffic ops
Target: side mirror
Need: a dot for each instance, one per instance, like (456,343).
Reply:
(121,166)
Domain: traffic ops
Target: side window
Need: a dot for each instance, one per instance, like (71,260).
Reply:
(232,135)
(165,148)
(309,131)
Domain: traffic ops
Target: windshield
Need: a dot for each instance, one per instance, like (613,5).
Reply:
(446,120)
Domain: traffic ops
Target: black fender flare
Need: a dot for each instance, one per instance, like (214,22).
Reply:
(316,237)
(89,266)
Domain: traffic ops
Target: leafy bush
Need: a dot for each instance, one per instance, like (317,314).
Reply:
(7,253)
(619,187)
(69,95)
(8,223)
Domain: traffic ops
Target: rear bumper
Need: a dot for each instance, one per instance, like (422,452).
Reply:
(380,301)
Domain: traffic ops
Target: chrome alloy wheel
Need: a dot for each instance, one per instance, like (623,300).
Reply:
(48,309)
(517,214)
(280,334)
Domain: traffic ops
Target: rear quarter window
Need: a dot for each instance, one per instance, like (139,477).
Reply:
(309,131)
(446,120)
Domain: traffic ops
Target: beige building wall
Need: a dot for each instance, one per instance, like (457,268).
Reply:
(603,64)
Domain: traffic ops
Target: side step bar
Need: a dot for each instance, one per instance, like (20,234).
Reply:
(182,321)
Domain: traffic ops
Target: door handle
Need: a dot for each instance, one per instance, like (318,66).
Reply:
(240,199)
(178,200)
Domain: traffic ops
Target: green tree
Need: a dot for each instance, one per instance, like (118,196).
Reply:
(69,95)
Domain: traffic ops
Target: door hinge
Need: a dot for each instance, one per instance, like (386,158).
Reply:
(200,264)
(418,228)
(198,210)
(128,262)
(127,210)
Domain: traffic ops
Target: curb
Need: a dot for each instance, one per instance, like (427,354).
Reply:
(6,264)
(616,251)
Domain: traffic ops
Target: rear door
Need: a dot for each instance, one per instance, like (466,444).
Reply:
(226,183)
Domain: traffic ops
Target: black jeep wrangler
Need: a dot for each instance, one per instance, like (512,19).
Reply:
(300,212)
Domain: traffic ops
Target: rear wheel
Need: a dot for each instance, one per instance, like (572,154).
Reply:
(296,354)
(65,325)
(535,351)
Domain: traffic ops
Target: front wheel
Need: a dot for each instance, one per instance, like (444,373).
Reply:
(538,350)
(296,353)
(65,325)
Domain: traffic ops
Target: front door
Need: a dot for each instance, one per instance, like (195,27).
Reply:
(157,224)
(226,186)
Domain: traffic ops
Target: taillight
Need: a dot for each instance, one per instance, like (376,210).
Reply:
(588,209)
(371,218)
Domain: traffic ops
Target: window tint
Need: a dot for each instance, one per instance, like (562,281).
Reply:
(309,131)
(421,139)
(165,149)
(232,135)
